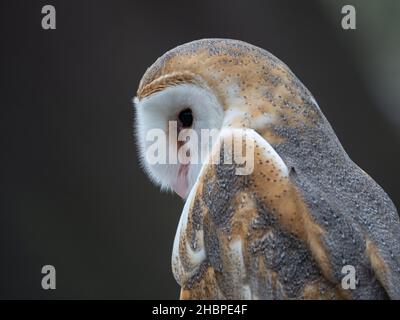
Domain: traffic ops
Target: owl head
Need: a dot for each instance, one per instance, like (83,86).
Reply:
(210,85)
(170,121)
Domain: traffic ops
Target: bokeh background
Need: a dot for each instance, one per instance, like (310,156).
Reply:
(71,191)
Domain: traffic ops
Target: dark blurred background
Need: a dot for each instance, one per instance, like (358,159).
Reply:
(71,191)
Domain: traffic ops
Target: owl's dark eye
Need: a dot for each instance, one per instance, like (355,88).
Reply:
(186,118)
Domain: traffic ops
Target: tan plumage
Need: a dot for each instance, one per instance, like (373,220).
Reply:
(287,229)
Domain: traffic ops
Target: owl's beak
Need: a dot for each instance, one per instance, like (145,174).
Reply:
(180,185)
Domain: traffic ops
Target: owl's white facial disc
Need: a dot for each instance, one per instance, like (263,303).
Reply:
(166,116)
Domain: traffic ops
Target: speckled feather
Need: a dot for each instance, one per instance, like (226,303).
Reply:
(272,234)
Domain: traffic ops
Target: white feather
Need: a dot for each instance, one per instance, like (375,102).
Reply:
(158,109)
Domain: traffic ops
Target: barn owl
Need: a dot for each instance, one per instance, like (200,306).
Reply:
(304,215)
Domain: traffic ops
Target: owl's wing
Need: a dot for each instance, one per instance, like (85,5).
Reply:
(254,235)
